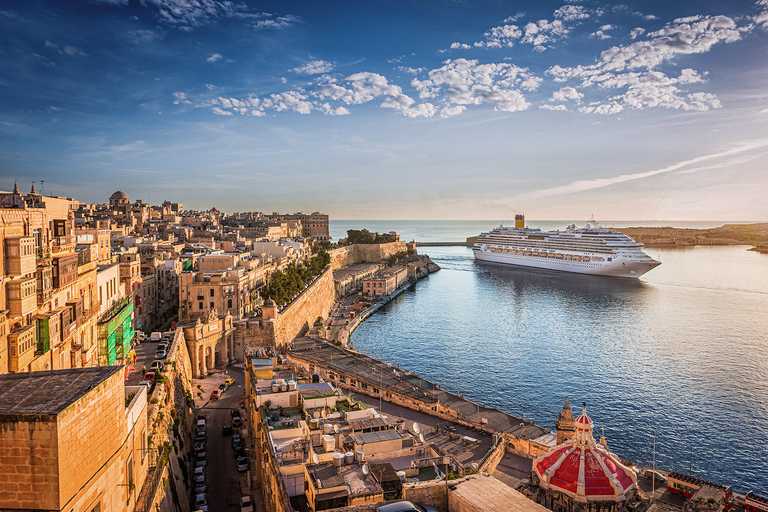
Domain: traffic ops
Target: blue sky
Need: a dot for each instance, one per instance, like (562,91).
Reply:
(650,110)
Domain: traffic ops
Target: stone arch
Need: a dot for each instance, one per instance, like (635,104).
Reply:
(47,366)
(217,354)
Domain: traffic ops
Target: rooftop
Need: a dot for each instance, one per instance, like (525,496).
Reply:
(487,494)
(49,392)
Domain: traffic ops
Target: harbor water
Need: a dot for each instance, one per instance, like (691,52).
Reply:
(682,352)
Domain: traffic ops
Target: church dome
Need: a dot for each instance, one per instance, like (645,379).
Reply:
(583,469)
(119,195)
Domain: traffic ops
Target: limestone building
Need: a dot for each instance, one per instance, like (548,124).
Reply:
(72,440)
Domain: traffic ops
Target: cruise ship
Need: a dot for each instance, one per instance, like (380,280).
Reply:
(589,250)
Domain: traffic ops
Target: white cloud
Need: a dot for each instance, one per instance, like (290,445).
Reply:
(466,82)
(601,32)
(210,86)
(696,34)
(460,46)
(214,57)
(514,18)
(572,12)
(277,23)
(567,94)
(542,33)
(143,36)
(68,50)
(761,18)
(330,111)
(621,67)
(410,70)
(583,185)
(219,112)
(181,98)
(290,100)
(315,67)
(454,111)
(547,106)
(503,36)
(636,32)
(764,111)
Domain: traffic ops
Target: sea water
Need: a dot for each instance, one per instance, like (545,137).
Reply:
(682,352)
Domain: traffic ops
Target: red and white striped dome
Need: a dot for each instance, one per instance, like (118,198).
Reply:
(583,469)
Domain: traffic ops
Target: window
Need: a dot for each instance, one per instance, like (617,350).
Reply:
(229,303)
(143,444)
(200,306)
(211,292)
(212,305)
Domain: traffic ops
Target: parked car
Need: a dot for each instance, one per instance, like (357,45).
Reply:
(162,345)
(156,365)
(237,442)
(215,394)
(246,505)
(200,471)
(405,506)
(200,425)
(227,431)
(148,377)
(229,381)
(200,486)
(201,459)
(242,464)
(242,403)
(237,422)
(161,354)
(201,499)
(155,336)
(199,446)
(223,387)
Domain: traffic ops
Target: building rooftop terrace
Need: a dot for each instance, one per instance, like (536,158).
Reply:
(48,393)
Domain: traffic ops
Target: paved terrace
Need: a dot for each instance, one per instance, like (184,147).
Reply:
(350,364)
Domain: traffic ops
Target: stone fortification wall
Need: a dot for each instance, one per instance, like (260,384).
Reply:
(294,320)
(170,421)
(364,253)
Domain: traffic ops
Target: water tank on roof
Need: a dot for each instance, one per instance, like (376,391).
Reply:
(359,455)
(291,385)
(314,424)
(338,459)
(349,458)
(283,386)
(401,475)
(275,387)
(328,428)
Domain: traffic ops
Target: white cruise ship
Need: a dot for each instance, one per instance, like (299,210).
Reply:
(591,250)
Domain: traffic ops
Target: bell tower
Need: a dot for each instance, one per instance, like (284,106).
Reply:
(565,424)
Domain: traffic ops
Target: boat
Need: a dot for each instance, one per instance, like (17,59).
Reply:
(589,250)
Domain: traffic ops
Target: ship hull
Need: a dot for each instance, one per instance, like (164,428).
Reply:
(619,267)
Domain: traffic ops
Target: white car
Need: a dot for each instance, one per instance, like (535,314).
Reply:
(155,336)
(246,505)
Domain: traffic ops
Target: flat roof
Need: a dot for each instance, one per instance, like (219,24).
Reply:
(49,392)
(486,494)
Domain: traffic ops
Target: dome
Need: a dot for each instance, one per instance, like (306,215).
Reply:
(119,195)
(584,470)
(269,303)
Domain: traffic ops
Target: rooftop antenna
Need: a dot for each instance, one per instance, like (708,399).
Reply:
(42,187)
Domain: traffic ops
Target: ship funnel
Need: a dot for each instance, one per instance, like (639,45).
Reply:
(519,221)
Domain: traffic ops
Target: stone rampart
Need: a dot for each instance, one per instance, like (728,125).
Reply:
(364,253)
(295,320)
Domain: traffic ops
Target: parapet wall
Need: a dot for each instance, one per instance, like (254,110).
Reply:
(364,253)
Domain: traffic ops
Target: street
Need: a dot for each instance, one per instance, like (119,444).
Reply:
(225,485)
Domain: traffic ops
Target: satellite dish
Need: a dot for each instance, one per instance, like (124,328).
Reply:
(315,458)
(365,469)
(325,414)
(336,429)
(315,414)
(421,438)
(416,427)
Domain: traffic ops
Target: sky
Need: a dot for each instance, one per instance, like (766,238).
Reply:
(432,109)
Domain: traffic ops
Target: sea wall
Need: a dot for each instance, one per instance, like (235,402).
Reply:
(295,320)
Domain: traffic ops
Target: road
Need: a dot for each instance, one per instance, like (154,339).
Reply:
(225,484)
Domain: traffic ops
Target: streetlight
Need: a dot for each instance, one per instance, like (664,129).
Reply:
(653,476)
